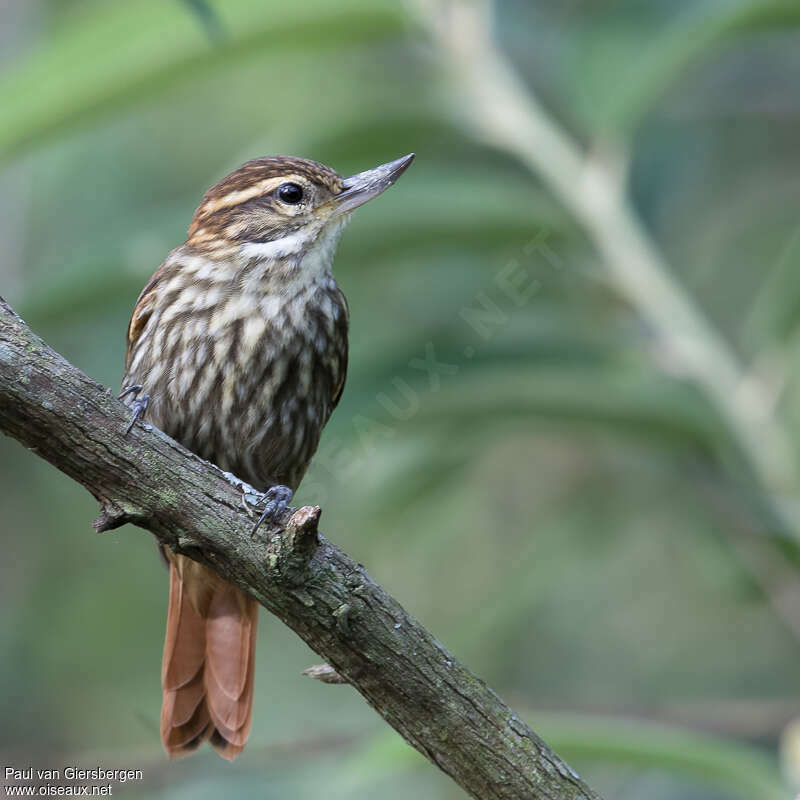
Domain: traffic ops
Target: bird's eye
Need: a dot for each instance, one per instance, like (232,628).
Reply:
(290,193)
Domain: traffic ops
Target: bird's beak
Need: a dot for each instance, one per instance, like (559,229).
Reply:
(363,186)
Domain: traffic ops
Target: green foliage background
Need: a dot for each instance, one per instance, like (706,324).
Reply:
(568,514)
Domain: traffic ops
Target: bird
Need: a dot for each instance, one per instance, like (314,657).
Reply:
(237,348)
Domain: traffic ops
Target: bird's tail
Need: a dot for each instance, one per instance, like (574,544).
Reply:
(208,665)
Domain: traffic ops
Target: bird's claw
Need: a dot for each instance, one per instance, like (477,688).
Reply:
(139,404)
(275,500)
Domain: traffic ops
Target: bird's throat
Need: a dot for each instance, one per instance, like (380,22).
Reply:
(305,255)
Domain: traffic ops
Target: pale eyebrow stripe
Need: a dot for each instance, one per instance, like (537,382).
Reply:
(243,195)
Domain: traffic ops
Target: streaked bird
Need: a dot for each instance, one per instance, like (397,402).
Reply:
(237,348)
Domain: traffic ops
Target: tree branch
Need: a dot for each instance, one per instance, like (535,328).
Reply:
(433,701)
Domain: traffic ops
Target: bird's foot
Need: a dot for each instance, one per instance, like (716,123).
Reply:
(274,501)
(139,404)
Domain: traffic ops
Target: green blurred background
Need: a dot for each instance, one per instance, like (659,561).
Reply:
(567,509)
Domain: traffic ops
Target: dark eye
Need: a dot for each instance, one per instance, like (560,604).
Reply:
(290,193)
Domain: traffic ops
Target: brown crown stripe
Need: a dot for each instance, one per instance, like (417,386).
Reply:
(261,176)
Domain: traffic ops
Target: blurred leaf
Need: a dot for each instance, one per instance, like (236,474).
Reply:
(775,310)
(593,394)
(694,35)
(208,16)
(742,771)
(114,54)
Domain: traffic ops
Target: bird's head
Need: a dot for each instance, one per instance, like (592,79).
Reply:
(280,206)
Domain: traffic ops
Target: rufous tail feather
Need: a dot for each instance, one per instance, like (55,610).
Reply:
(209,659)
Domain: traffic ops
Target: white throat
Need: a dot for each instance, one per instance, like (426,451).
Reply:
(309,251)
(290,245)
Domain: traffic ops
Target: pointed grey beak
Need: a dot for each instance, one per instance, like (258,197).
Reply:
(365,185)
